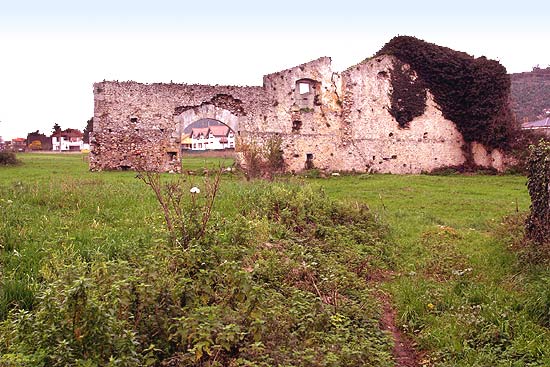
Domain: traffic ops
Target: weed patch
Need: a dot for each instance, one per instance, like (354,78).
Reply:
(277,284)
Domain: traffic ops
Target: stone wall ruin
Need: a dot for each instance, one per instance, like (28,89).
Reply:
(333,121)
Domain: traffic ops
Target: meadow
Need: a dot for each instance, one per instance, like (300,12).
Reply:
(287,273)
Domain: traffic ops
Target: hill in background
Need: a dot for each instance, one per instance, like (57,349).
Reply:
(530,92)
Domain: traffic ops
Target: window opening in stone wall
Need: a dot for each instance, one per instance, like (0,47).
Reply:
(296,126)
(303,88)
(133,119)
(309,161)
(307,94)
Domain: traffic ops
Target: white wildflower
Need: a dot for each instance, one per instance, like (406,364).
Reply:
(195,190)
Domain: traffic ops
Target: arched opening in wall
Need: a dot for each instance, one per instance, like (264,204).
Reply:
(207,135)
(208,129)
(307,93)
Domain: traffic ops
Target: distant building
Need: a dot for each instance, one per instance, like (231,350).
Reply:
(19,144)
(67,140)
(539,126)
(216,137)
(186,142)
(221,137)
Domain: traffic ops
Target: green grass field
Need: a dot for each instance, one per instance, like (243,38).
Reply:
(461,291)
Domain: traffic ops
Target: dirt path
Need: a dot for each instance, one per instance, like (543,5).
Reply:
(404,350)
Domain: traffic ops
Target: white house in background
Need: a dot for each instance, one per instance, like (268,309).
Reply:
(68,140)
(217,137)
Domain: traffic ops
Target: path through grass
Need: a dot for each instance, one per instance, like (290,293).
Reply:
(458,287)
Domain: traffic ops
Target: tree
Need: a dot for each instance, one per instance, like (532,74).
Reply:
(56,128)
(87,130)
(35,145)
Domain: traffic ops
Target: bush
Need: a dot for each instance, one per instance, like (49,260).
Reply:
(8,159)
(186,212)
(262,161)
(537,227)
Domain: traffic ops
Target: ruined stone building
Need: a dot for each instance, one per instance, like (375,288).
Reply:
(325,119)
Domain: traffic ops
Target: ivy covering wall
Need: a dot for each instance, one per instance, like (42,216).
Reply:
(408,97)
(472,92)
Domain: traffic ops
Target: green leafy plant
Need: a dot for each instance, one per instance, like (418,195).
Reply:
(408,95)
(273,284)
(538,223)
(186,211)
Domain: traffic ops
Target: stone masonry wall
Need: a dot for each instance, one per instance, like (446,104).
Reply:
(327,120)
(137,126)
(381,145)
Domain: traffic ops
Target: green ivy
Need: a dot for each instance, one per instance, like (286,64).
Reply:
(538,173)
(472,92)
(408,97)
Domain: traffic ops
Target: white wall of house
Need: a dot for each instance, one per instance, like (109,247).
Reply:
(62,144)
(198,143)
(212,142)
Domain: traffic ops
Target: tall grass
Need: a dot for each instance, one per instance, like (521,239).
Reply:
(459,286)
(461,291)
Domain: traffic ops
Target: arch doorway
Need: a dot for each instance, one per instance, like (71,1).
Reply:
(204,129)
(207,135)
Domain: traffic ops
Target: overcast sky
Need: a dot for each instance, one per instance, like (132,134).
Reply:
(51,52)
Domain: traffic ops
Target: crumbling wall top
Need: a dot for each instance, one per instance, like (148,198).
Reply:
(301,71)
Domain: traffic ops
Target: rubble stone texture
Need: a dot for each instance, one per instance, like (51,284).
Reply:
(336,121)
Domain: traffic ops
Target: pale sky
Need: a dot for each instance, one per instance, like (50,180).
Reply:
(51,52)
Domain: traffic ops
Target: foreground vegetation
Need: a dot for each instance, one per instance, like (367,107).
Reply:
(287,273)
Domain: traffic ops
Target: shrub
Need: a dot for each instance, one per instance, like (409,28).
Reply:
(8,159)
(186,211)
(537,226)
(262,161)
(251,162)
(273,155)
